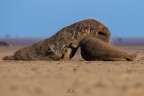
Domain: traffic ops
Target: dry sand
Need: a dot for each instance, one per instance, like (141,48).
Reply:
(72,78)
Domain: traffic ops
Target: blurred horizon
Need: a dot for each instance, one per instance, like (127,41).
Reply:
(28,40)
(43,18)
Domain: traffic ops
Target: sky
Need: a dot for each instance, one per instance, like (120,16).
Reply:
(43,18)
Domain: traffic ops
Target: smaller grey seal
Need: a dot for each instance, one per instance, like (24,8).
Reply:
(94,49)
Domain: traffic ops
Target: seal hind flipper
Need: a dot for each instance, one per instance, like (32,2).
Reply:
(131,57)
(9,58)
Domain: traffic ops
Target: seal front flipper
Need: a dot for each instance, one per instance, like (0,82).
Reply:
(52,57)
(70,52)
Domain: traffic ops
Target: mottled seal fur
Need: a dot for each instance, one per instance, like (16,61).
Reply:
(94,49)
(64,44)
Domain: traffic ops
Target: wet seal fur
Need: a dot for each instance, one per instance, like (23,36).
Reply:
(64,44)
(93,49)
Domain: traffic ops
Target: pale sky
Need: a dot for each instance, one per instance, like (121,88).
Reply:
(43,18)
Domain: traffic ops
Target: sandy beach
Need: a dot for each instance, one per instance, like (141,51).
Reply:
(72,78)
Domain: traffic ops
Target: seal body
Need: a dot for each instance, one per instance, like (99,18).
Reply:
(94,49)
(64,44)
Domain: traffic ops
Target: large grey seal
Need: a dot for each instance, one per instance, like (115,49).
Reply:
(64,44)
(95,49)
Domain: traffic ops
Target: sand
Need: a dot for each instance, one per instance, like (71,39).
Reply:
(72,78)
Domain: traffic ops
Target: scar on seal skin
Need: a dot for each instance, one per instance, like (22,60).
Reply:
(94,49)
(64,44)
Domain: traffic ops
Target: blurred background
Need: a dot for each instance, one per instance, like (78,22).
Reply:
(39,19)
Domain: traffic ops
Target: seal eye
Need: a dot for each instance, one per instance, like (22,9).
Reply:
(101,33)
(103,36)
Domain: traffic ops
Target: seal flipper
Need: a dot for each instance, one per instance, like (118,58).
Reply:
(9,58)
(131,57)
